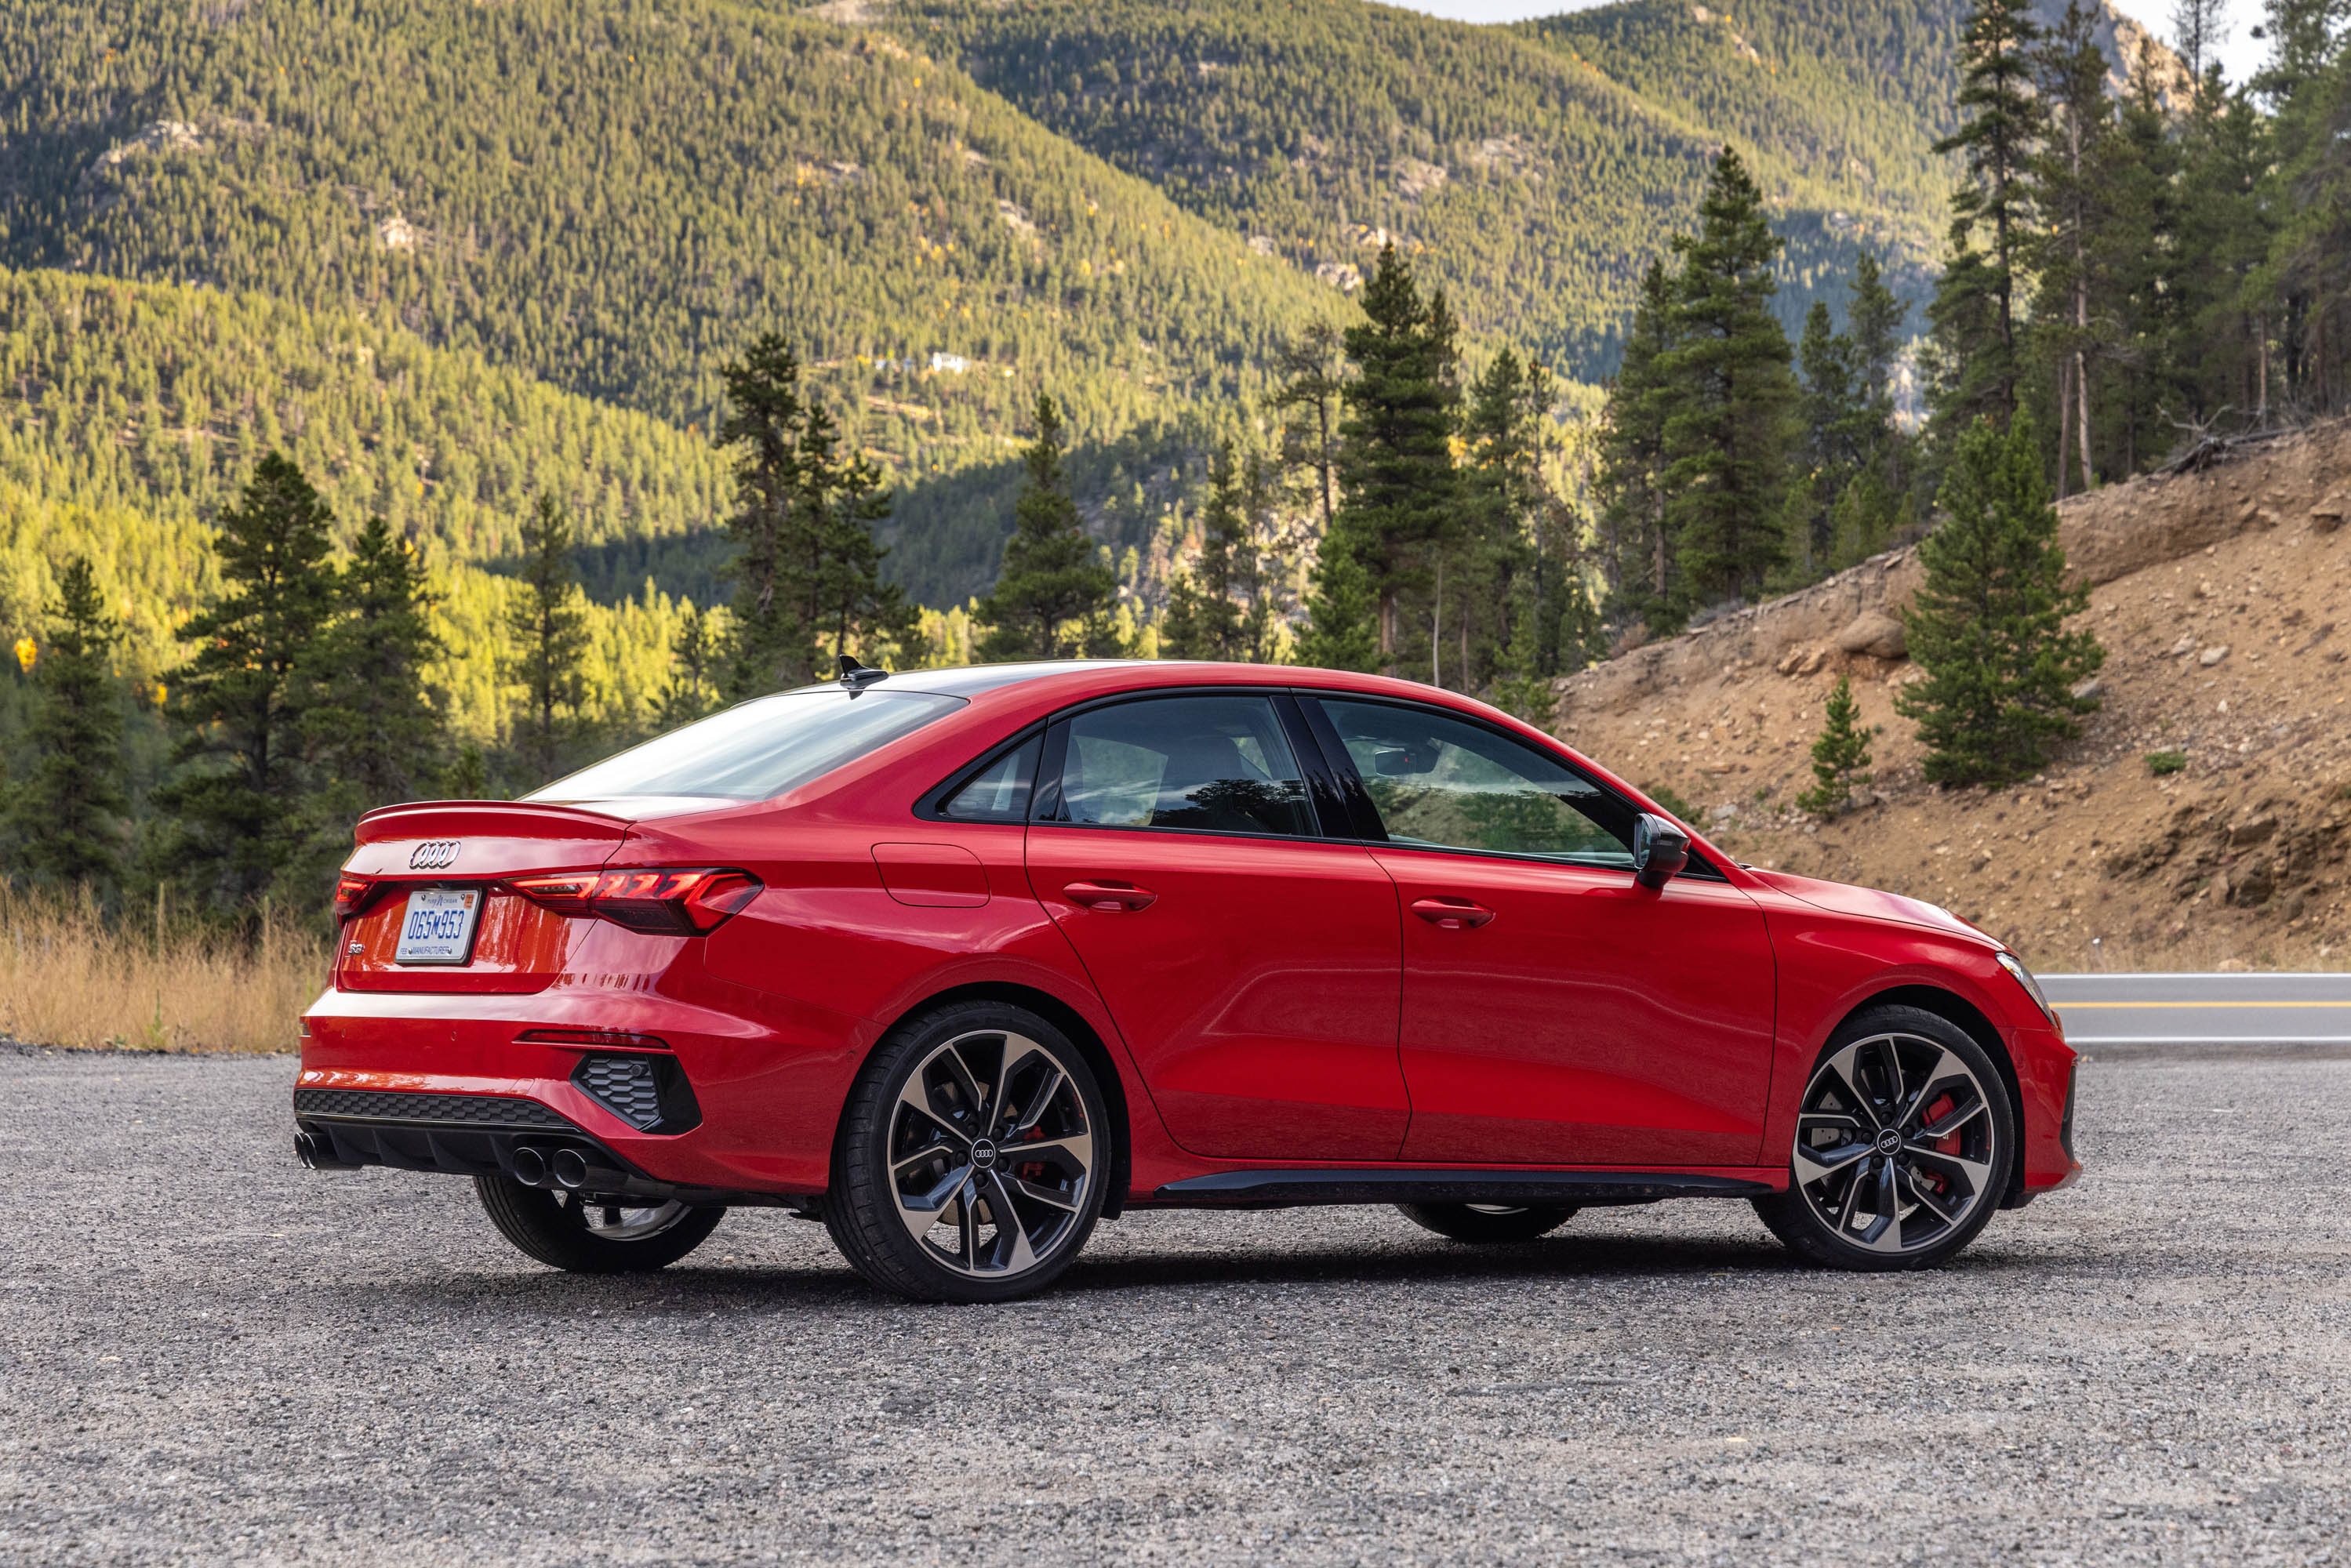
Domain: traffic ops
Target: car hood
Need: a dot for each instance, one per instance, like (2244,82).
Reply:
(1841,898)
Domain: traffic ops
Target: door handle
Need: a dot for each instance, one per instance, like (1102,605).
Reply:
(1452,913)
(1110,897)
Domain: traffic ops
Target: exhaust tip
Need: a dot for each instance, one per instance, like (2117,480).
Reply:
(569,1167)
(318,1152)
(529,1166)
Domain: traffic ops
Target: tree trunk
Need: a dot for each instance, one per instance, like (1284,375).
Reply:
(2065,421)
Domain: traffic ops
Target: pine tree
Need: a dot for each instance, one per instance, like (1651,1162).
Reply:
(840,500)
(1728,397)
(1835,427)
(1203,622)
(692,690)
(373,731)
(548,633)
(241,822)
(1974,316)
(1839,757)
(1056,595)
(1637,553)
(765,420)
(1313,370)
(1397,497)
(2068,174)
(69,812)
(1988,627)
(2199,28)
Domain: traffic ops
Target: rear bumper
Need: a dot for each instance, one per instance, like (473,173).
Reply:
(479,1134)
(765,1078)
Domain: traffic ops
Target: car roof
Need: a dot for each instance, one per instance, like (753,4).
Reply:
(1074,679)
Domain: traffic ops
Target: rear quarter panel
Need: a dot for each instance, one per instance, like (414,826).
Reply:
(827,934)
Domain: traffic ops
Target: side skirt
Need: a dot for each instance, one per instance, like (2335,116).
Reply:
(1282,1188)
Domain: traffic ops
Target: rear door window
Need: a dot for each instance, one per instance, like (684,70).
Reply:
(1442,783)
(758,749)
(1207,764)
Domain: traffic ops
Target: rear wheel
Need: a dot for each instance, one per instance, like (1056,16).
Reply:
(590,1236)
(1905,1140)
(1488,1223)
(972,1157)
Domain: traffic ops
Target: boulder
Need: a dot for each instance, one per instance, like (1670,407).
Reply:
(1876,633)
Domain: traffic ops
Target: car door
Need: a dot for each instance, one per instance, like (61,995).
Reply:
(1252,964)
(1554,1010)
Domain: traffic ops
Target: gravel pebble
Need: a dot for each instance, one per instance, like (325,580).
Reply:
(211,1355)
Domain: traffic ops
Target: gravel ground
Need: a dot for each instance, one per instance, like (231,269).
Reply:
(209,1354)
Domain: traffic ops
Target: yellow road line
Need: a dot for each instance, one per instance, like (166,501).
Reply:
(2067,1007)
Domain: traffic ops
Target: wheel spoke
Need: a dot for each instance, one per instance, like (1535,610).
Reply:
(1885,1234)
(916,1097)
(1077,1148)
(1824,1163)
(1036,1193)
(1952,1123)
(1034,1112)
(1947,1212)
(1011,1235)
(921,1211)
(1977,1171)
(1844,1069)
(1917,1103)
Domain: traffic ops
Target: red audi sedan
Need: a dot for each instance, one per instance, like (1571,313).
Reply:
(963,962)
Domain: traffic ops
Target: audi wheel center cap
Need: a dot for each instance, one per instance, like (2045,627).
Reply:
(1888,1142)
(982,1153)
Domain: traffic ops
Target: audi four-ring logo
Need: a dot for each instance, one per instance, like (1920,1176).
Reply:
(433,854)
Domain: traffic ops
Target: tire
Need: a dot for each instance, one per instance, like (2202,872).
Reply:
(966,1085)
(1887,1076)
(1488,1224)
(561,1229)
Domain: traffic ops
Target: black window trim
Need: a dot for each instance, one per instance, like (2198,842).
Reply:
(1045,795)
(930,806)
(1340,762)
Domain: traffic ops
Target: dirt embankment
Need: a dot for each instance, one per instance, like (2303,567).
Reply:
(2223,600)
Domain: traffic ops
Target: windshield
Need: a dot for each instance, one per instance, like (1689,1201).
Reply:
(758,749)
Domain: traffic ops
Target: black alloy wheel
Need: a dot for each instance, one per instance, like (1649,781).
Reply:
(1905,1140)
(588,1234)
(972,1157)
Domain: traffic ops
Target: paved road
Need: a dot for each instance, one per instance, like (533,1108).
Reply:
(2240,1014)
(209,1356)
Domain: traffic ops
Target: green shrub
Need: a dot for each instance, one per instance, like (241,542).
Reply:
(1670,798)
(2162,762)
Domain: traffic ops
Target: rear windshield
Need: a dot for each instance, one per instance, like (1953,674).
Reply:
(757,749)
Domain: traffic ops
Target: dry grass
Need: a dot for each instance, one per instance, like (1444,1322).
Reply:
(70,978)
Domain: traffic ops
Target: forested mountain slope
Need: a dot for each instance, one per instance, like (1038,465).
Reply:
(131,412)
(1531,181)
(614,198)
(1850,93)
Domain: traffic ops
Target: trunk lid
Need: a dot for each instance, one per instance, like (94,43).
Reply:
(458,846)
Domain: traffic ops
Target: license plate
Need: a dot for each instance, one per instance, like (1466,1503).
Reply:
(438,925)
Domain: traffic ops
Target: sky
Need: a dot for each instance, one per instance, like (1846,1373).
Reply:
(2240,52)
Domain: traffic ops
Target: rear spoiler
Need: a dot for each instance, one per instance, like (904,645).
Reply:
(501,819)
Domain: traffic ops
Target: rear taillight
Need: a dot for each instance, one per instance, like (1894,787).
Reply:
(659,899)
(352,894)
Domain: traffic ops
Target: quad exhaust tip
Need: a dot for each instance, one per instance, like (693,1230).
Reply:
(529,1166)
(570,1168)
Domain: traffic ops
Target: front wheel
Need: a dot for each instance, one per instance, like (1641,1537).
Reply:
(590,1234)
(1488,1223)
(972,1157)
(1905,1140)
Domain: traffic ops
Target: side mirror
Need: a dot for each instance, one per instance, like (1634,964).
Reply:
(1660,850)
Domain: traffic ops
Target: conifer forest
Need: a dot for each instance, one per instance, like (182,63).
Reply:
(413,398)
